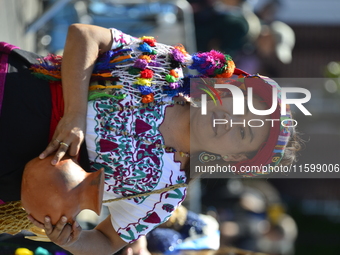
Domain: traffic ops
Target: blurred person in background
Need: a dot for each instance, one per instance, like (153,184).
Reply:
(226,25)
(185,230)
(275,43)
(252,216)
(265,10)
(247,30)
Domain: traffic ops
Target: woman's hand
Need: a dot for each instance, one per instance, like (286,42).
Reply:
(68,137)
(101,240)
(139,247)
(83,44)
(62,234)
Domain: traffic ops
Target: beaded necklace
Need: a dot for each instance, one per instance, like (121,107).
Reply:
(147,70)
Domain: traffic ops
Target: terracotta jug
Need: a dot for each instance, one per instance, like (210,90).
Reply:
(63,189)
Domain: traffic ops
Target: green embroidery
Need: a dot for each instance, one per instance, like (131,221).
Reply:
(178,194)
(105,157)
(131,235)
(140,175)
(180,179)
(141,228)
(137,165)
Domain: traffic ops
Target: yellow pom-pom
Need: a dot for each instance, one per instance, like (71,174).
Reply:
(145,57)
(142,81)
(147,37)
(23,251)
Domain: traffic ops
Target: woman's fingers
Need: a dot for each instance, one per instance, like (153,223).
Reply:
(35,222)
(76,231)
(129,251)
(63,147)
(52,146)
(77,139)
(62,233)
(48,226)
(65,233)
(64,143)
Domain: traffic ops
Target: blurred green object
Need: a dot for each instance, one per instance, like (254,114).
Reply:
(332,85)
(333,69)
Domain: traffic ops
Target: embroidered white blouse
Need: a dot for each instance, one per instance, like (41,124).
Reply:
(127,144)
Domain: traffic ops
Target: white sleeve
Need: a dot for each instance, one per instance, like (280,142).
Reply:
(120,39)
(132,220)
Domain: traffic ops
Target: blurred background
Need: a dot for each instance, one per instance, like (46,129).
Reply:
(278,38)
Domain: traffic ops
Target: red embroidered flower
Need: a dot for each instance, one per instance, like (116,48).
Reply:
(146,74)
(150,41)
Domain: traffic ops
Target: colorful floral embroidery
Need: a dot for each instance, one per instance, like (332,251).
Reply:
(137,166)
(128,143)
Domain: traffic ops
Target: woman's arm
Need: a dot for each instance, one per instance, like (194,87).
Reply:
(101,240)
(83,44)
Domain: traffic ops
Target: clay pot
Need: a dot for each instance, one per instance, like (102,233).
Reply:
(63,189)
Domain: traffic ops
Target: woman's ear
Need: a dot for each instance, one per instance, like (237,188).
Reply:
(234,157)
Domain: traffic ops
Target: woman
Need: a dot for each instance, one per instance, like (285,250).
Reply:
(129,128)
